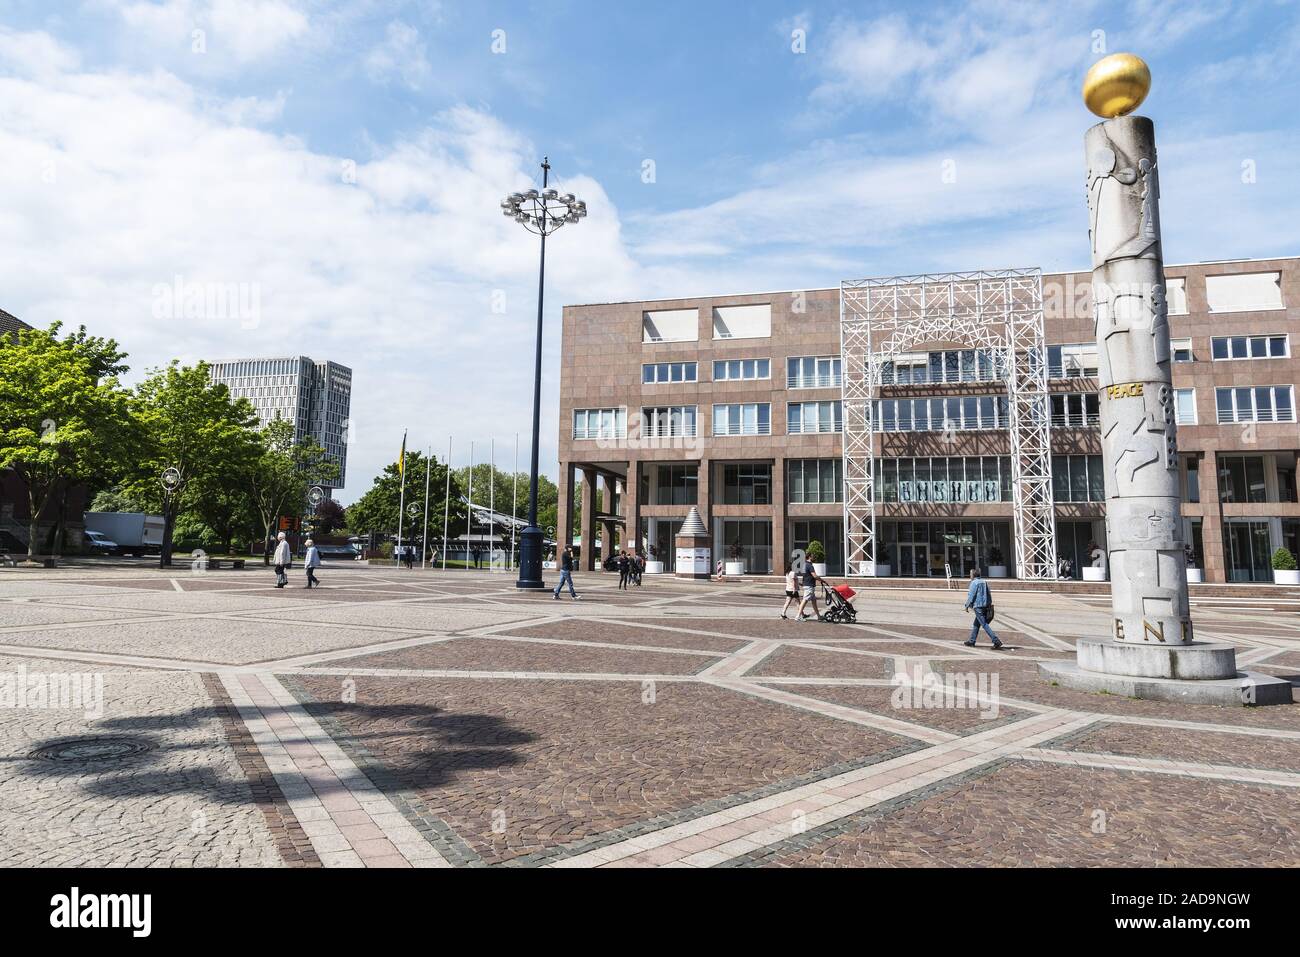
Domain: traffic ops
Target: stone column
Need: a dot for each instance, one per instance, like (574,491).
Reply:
(1139,441)
(631,505)
(564,509)
(588,518)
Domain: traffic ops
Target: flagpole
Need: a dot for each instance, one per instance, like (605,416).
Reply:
(514,505)
(424,536)
(401,504)
(492,500)
(469,506)
(446,507)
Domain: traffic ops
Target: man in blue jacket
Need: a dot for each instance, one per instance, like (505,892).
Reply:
(977,597)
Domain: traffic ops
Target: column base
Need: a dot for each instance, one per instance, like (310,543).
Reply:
(1244,689)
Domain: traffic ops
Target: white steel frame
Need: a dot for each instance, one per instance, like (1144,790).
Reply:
(997,310)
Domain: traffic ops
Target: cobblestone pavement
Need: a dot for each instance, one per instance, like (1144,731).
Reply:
(429,719)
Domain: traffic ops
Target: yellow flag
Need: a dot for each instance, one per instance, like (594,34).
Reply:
(401,459)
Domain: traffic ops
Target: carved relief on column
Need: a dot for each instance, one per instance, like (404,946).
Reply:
(1138,423)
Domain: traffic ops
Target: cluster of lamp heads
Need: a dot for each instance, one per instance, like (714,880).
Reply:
(543,209)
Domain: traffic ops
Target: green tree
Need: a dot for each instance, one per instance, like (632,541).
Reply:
(376,511)
(282,475)
(192,425)
(63,416)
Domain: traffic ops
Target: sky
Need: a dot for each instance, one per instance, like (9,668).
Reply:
(336,169)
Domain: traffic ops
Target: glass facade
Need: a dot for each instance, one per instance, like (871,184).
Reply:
(964,413)
(747,485)
(950,479)
(814,481)
(1078,478)
(747,418)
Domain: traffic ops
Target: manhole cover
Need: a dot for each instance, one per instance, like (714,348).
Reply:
(86,750)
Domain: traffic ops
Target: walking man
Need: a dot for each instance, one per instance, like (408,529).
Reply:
(810,581)
(978,599)
(281,560)
(624,566)
(566,573)
(312,562)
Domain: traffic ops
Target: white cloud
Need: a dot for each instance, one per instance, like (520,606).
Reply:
(402,55)
(117,184)
(237,31)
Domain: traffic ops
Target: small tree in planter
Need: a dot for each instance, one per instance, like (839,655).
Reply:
(1193,572)
(735,559)
(1284,568)
(816,554)
(997,564)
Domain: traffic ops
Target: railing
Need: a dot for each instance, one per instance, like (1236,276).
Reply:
(814,381)
(672,432)
(739,428)
(1263,415)
(598,434)
(1076,420)
(797,428)
(920,375)
(1070,370)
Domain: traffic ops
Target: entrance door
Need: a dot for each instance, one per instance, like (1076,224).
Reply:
(962,559)
(913,561)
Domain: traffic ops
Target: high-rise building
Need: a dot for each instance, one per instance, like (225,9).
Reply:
(740,405)
(315,396)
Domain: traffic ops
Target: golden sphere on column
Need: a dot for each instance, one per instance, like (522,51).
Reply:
(1116,85)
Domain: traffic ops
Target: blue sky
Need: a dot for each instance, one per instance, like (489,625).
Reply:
(343,161)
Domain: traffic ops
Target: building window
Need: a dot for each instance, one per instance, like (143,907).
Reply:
(1078,478)
(670,325)
(668,421)
(815,481)
(740,370)
(953,479)
(656,373)
(1244,292)
(743,418)
(937,415)
(1185,402)
(954,365)
(1072,361)
(753,539)
(1193,480)
(1242,479)
(812,372)
(1249,347)
(1269,403)
(600,423)
(742,322)
(1075,410)
(809,417)
(1181,350)
(1176,295)
(747,485)
(677,485)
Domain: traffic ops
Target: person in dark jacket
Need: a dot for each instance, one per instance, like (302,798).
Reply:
(624,569)
(566,573)
(980,601)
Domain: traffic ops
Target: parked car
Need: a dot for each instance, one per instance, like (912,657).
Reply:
(100,544)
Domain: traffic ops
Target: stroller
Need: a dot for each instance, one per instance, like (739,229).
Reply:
(839,609)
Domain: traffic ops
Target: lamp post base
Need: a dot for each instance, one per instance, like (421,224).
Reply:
(530,560)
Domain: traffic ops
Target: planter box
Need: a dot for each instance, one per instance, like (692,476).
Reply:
(1284,577)
(875,570)
(548,565)
(654,568)
(1194,575)
(735,568)
(1093,574)
(820,569)
(997,571)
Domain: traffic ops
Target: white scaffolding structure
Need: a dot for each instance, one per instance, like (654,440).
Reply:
(999,311)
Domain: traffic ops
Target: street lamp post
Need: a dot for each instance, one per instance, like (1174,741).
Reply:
(542,213)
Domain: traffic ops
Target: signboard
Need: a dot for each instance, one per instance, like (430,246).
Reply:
(693,561)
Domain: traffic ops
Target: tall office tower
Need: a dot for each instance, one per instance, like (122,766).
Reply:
(314,396)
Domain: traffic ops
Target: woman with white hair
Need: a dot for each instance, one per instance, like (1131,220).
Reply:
(312,563)
(282,559)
